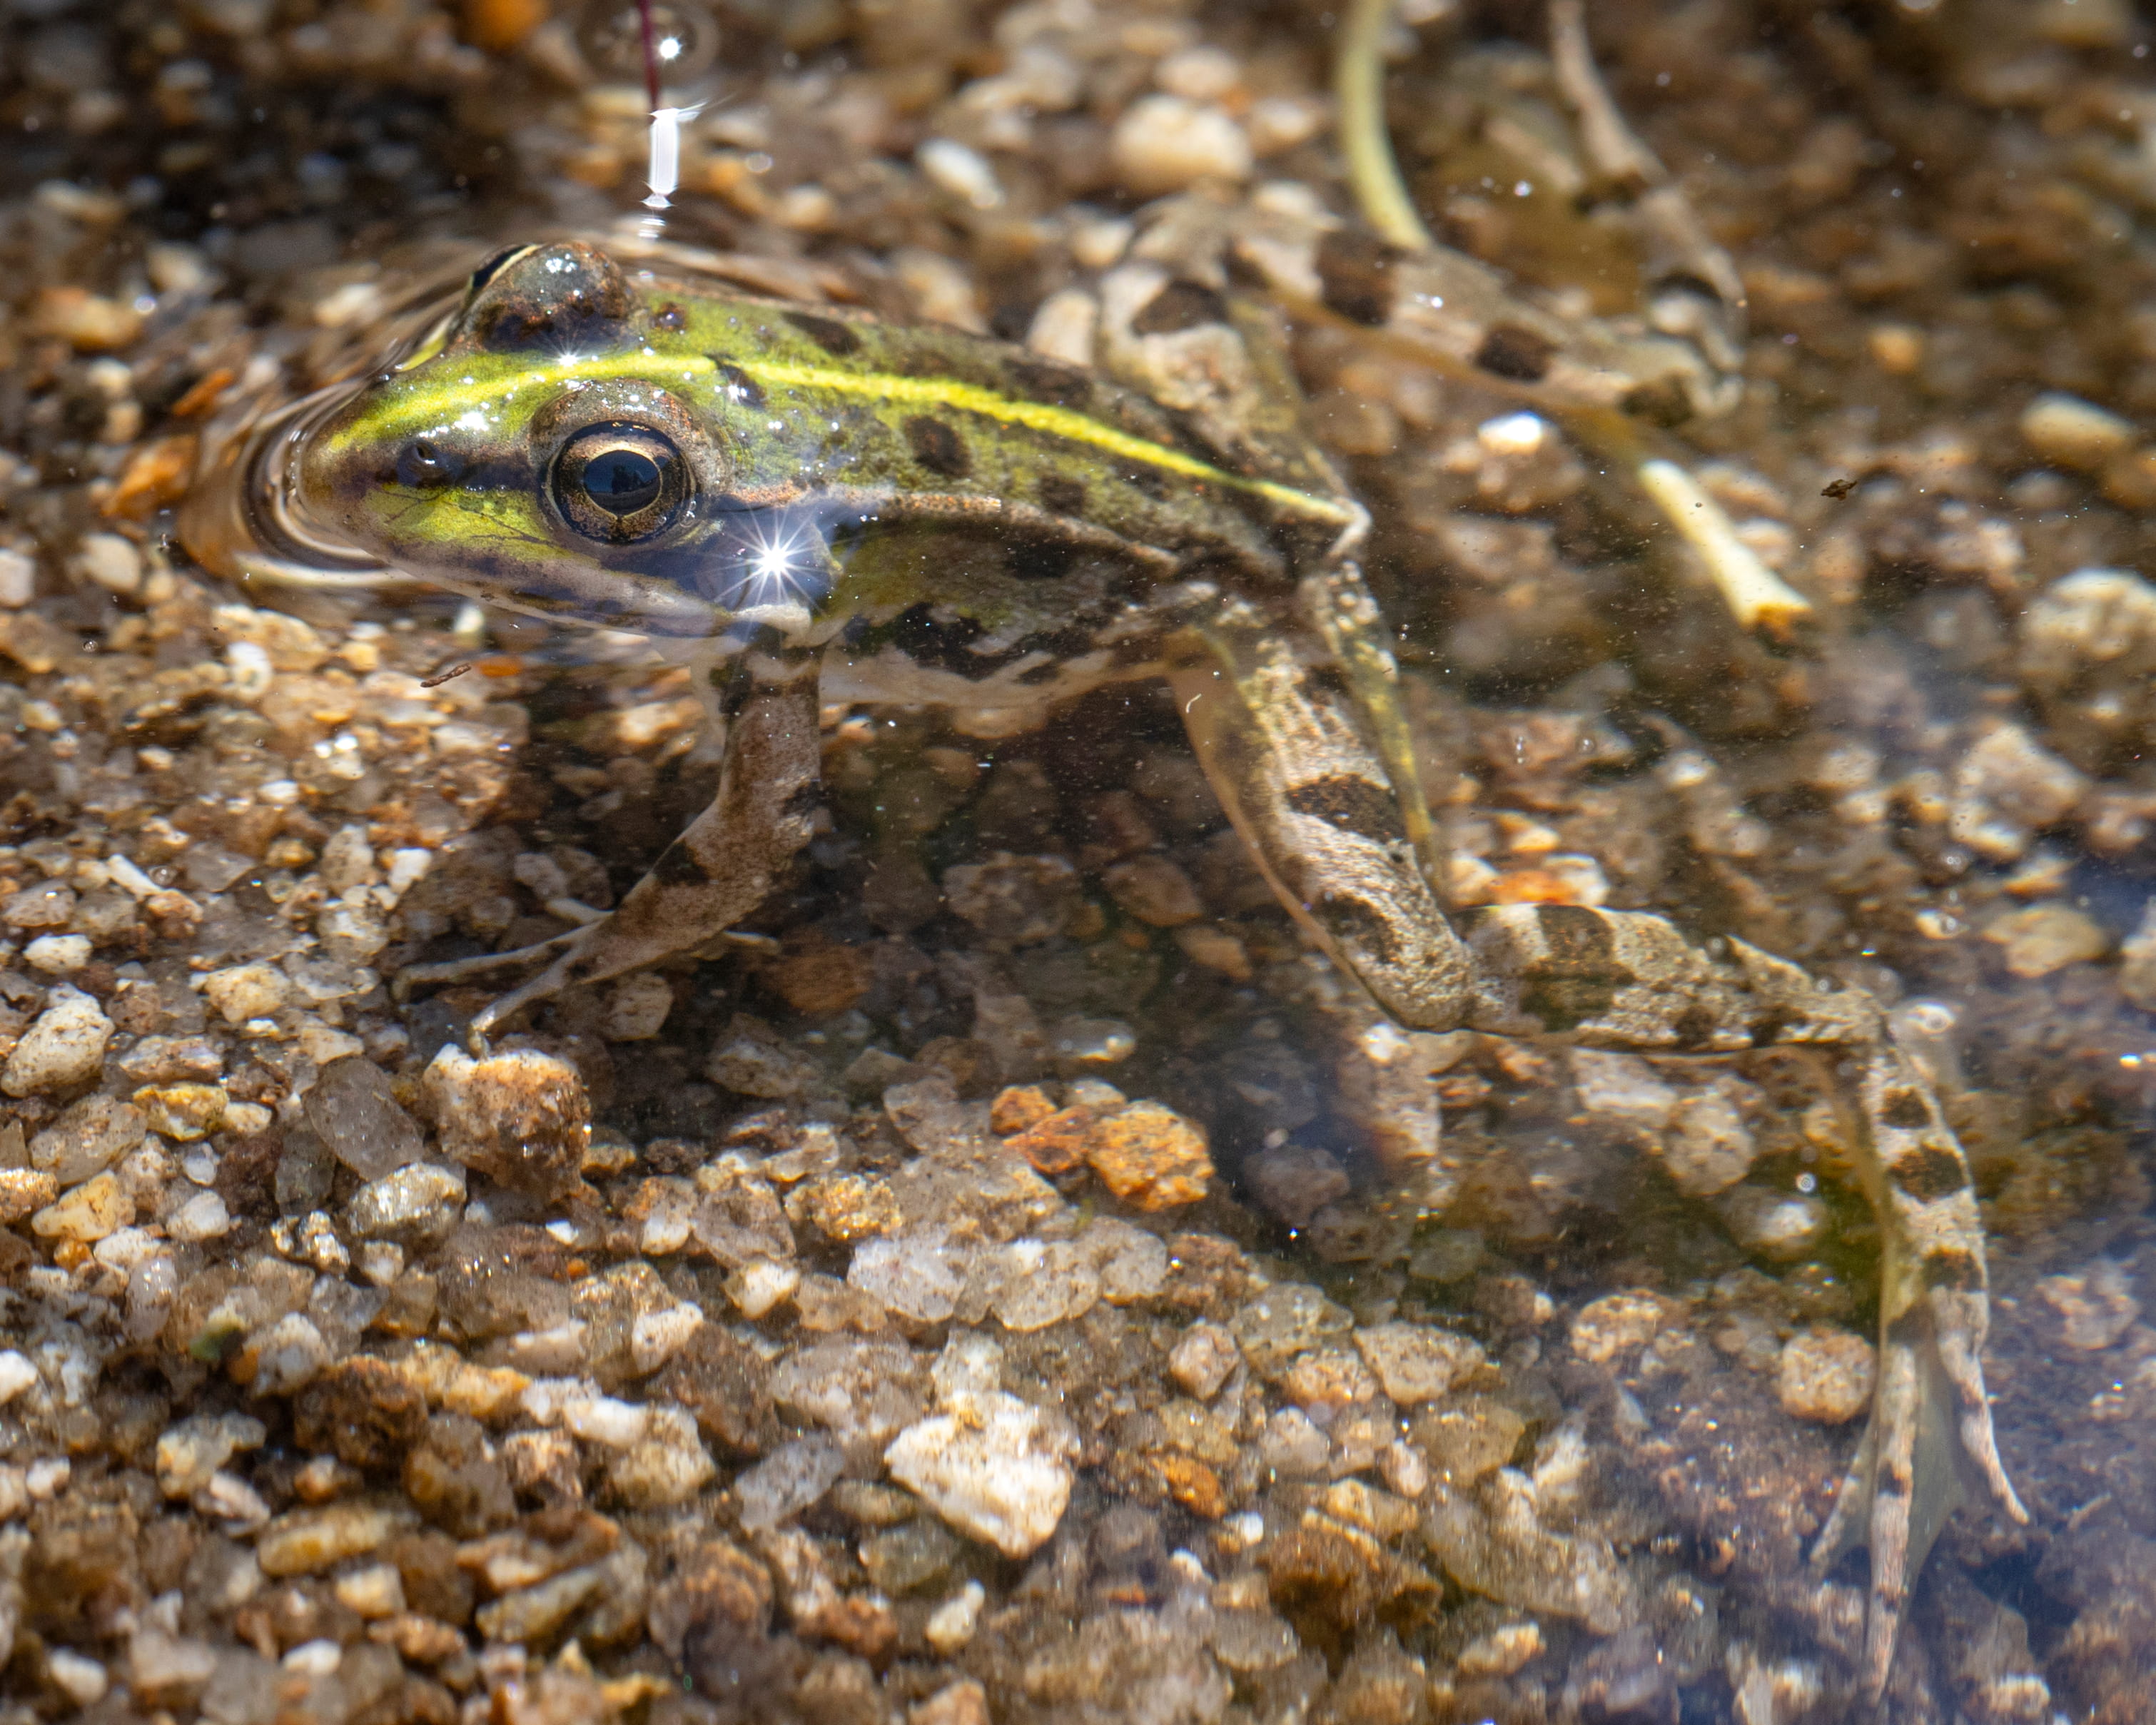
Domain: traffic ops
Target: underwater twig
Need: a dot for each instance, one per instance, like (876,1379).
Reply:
(1373,172)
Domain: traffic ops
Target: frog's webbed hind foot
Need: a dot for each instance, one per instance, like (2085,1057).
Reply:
(1930,1443)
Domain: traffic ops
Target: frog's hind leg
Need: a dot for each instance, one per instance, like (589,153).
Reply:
(1930,1440)
(1626,980)
(725,864)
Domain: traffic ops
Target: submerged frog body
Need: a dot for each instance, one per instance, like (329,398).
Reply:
(809,504)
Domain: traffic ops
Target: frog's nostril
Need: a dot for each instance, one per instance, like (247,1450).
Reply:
(425,464)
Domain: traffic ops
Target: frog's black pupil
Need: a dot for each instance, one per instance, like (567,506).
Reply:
(622,481)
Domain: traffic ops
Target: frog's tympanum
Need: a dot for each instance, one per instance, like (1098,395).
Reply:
(815,505)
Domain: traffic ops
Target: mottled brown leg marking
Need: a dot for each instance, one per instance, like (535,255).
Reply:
(1956,1270)
(1518,356)
(1906,1109)
(1178,306)
(1354,805)
(1354,273)
(1929,1173)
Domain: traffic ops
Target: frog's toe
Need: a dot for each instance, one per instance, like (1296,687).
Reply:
(452,972)
(1929,1439)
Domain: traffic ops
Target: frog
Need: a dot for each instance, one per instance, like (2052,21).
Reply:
(809,504)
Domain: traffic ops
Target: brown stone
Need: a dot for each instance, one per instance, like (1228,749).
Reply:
(715,1583)
(1057,1142)
(818,981)
(364,1409)
(1151,1156)
(1018,1108)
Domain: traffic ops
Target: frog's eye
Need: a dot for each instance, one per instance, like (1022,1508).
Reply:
(620,483)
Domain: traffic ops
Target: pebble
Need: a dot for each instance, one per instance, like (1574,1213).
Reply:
(307,1541)
(534,1613)
(763,1285)
(787,1481)
(200,1218)
(668,1466)
(918,1273)
(1150,1157)
(655,1337)
(87,1213)
(87,1139)
(959,172)
(2137,962)
(637,1008)
(63,1047)
(909,1557)
(83,1681)
(1154,891)
(58,954)
(2074,433)
(23,1191)
(1707,1149)
(951,1625)
(18,578)
(352,1107)
(1283,1321)
(1616,1322)
(995,1468)
(411,1207)
(2005,789)
(183,1112)
(242,992)
(167,1670)
(1293,1446)
(1164,143)
(1023,900)
(1414,1364)
(188,1453)
(1784,1226)
(373,1592)
(2039,939)
(1502,1652)
(1825,1376)
(16,1375)
(1043,1283)
(1201,1361)
(2096,1307)
(964,1702)
(109,561)
(522,1118)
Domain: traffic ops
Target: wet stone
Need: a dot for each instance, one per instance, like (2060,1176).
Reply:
(308,1541)
(1825,1376)
(669,1465)
(1282,1323)
(1784,1226)
(182,1112)
(351,1106)
(87,1139)
(1151,1157)
(453,1477)
(411,1207)
(86,1213)
(1610,1325)
(1154,891)
(1023,899)
(919,1274)
(788,1481)
(246,991)
(366,1411)
(1414,1364)
(196,1448)
(522,1118)
(23,1191)
(1202,1360)
(2039,939)
(63,1047)
(1466,1438)
(902,1559)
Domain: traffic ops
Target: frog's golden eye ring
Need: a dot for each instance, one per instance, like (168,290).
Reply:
(620,484)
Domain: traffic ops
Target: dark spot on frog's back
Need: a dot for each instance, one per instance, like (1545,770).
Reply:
(1181,306)
(1354,805)
(1046,380)
(1517,355)
(828,333)
(937,447)
(1354,275)
(1949,1267)
(1062,496)
(570,293)
(1038,559)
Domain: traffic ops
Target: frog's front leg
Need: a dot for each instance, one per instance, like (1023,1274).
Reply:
(725,864)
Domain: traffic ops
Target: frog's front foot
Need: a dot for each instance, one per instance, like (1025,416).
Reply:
(1929,1444)
(555,954)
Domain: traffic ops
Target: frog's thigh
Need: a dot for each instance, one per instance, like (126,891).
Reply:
(725,864)
(1282,749)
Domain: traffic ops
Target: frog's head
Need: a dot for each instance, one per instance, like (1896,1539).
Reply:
(545,456)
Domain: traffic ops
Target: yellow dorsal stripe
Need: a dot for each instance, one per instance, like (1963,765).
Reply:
(439,403)
(1034,416)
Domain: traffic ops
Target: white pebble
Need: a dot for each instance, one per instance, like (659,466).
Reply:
(19,585)
(960,172)
(58,954)
(762,1284)
(952,1624)
(1063,328)
(83,1681)
(1203,74)
(2073,433)
(16,1375)
(315,1658)
(604,1420)
(656,1337)
(1164,143)
(112,563)
(47,1479)
(201,1217)
(252,673)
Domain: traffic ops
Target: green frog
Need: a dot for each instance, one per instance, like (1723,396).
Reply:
(809,505)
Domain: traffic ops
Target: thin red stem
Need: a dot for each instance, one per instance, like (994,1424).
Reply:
(650,52)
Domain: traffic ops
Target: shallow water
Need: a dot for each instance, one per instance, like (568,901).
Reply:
(664,1422)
